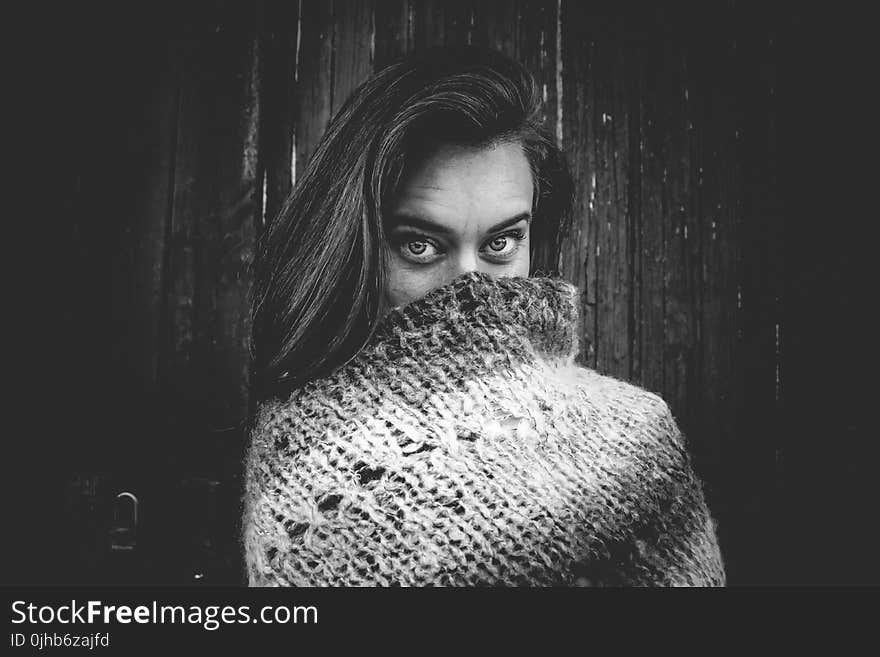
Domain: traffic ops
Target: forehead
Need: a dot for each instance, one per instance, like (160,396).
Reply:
(454,183)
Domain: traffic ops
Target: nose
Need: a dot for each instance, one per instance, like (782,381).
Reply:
(465,262)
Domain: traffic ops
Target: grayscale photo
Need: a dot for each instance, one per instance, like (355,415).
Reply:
(411,293)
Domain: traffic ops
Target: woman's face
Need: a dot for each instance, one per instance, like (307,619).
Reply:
(460,209)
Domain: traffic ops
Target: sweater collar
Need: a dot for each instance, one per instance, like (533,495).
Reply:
(476,313)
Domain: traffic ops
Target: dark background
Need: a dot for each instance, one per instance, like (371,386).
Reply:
(717,149)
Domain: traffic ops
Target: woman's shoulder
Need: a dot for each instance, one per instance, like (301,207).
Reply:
(298,413)
(618,391)
(626,403)
(331,407)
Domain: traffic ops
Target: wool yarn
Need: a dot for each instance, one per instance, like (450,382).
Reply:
(464,446)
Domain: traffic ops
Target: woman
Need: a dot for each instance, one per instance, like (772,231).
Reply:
(422,420)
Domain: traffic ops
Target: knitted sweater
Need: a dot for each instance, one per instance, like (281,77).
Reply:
(464,446)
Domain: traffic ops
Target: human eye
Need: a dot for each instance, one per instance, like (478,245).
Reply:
(415,248)
(504,246)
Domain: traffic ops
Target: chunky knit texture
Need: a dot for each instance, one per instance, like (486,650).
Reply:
(464,446)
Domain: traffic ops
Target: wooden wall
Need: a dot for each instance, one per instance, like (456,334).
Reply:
(199,122)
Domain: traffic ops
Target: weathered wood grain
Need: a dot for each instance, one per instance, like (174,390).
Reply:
(215,209)
(611,213)
(497,25)
(140,253)
(394,35)
(314,77)
(539,32)
(439,23)
(755,440)
(578,259)
(353,45)
(677,129)
(278,40)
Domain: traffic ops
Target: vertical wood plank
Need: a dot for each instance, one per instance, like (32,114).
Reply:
(215,209)
(633,84)
(429,26)
(536,49)
(718,398)
(393,31)
(314,77)
(459,19)
(652,234)
(676,209)
(499,22)
(611,212)
(715,183)
(760,279)
(279,24)
(147,196)
(437,23)
(578,260)
(352,49)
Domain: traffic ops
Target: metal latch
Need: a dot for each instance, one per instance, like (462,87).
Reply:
(123,533)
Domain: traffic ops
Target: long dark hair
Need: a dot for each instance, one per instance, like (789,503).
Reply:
(320,265)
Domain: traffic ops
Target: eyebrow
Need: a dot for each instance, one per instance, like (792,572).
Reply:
(427,224)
